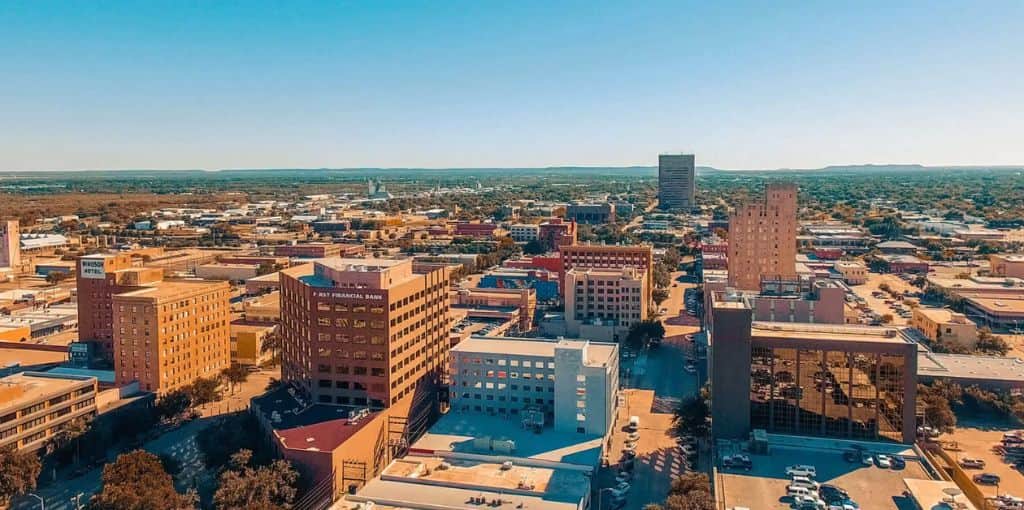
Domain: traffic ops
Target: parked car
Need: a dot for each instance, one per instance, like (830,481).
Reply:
(883,461)
(833,494)
(898,462)
(987,479)
(737,462)
(802,470)
(851,456)
(809,501)
(971,463)
(866,459)
(803,481)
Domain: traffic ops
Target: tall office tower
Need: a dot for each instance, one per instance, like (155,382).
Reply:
(365,332)
(10,244)
(762,238)
(99,278)
(169,333)
(676,181)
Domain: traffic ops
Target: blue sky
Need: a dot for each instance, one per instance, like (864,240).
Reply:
(219,84)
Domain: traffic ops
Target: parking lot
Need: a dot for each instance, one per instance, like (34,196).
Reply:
(877,302)
(976,443)
(871,487)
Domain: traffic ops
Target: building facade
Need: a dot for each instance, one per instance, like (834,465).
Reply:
(557,232)
(524,232)
(99,279)
(363,332)
(599,256)
(676,181)
(10,244)
(762,238)
(590,213)
(571,385)
(856,382)
(604,303)
(940,324)
(172,332)
(35,406)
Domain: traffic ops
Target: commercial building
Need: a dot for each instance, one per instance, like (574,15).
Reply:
(855,382)
(557,232)
(228,272)
(1003,265)
(590,213)
(569,384)
(599,256)
(171,332)
(524,232)
(318,250)
(472,229)
(35,406)
(814,302)
(854,273)
(604,303)
(899,264)
(676,181)
(545,283)
(100,277)
(363,332)
(247,339)
(762,238)
(996,312)
(523,300)
(945,325)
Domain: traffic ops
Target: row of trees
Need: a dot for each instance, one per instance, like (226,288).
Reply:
(690,491)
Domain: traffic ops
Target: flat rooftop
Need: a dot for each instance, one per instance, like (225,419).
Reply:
(173,289)
(838,332)
(304,426)
(361,265)
(998,305)
(560,484)
(403,495)
(26,387)
(455,432)
(597,352)
(964,366)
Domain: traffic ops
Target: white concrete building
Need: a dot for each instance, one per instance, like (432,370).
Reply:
(524,232)
(570,384)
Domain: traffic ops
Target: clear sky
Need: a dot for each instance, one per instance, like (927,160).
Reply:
(256,84)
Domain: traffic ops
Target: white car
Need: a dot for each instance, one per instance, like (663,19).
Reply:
(803,481)
(690,369)
(805,501)
(802,470)
(633,436)
(883,461)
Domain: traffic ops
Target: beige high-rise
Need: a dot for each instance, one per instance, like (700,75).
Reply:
(762,238)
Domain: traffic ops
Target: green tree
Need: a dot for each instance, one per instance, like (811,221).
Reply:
(642,334)
(174,403)
(992,344)
(659,296)
(137,481)
(243,486)
(690,417)
(235,374)
(534,247)
(18,473)
(204,390)
(70,436)
(55,277)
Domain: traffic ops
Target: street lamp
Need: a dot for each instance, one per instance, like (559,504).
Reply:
(42,504)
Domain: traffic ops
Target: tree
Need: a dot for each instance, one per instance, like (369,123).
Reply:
(690,491)
(228,435)
(691,417)
(174,403)
(70,434)
(938,399)
(243,486)
(659,296)
(642,334)
(55,277)
(887,318)
(137,481)
(534,247)
(989,343)
(235,374)
(18,474)
(662,276)
(204,390)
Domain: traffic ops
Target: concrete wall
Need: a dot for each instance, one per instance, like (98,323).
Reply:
(730,373)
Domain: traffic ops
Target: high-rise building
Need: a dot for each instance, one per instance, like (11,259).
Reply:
(676,184)
(364,332)
(604,303)
(10,244)
(100,277)
(600,256)
(169,333)
(762,238)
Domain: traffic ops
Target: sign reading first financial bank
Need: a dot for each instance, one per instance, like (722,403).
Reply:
(348,295)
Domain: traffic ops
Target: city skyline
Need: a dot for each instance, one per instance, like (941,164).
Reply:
(178,86)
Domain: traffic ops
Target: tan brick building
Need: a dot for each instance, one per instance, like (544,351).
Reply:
(599,256)
(602,304)
(762,238)
(99,279)
(168,333)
